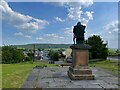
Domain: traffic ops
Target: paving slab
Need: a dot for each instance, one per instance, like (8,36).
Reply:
(56,77)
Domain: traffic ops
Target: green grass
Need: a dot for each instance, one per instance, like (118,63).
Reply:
(14,75)
(111,65)
(0,76)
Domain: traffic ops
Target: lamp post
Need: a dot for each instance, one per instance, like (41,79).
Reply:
(34,52)
(108,49)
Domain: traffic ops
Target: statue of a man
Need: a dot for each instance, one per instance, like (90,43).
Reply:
(79,31)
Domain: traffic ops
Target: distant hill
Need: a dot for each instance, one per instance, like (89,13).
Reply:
(43,46)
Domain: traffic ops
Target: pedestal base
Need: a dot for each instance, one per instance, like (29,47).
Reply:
(81,73)
(80,58)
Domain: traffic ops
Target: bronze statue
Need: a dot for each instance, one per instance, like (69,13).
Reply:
(79,33)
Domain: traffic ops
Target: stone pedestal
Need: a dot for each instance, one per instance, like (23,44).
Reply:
(80,59)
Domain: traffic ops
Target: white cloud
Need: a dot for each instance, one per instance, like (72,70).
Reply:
(75,12)
(84,3)
(39,38)
(27,36)
(68,31)
(109,33)
(59,19)
(18,34)
(86,17)
(20,21)
(51,38)
(22,35)
(112,27)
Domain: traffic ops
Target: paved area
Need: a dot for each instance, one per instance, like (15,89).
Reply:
(56,77)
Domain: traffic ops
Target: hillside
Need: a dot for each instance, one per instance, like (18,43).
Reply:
(43,46)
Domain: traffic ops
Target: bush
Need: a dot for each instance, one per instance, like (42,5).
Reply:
(11,54)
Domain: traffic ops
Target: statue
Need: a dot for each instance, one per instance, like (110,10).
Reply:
(79,70)
(79,33)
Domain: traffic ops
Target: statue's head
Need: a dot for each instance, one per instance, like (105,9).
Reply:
(79,23)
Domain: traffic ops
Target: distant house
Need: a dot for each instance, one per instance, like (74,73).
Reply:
(63,54)
(38,55)
(25,53)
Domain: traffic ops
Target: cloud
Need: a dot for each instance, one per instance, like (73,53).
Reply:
(20,21)
(75,12)
(22,35)
(68,31)
(27,36)
(59,19)
(18,34)
(86,17)
(84,3)
(51,38)
(112,27)
(39,38)
(109,33)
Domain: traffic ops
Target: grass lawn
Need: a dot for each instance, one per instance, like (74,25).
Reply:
(111,65)
(14,75)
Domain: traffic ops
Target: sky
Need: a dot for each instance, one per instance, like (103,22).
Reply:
(53,22)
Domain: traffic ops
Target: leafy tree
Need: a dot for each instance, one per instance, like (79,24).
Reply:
(54,55)
(11,54)
(39,49)
(117,52)
(99,49)
(30,56)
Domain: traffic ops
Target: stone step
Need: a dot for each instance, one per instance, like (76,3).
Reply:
(80,71)
(80,76)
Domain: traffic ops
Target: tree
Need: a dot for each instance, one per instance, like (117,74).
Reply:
(11,54)
(99,49)
(117,52)
(30,56)
(54,55)
(39,49)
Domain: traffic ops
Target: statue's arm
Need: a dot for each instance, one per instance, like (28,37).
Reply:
(74,30)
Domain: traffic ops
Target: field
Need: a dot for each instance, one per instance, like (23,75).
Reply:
(13,75)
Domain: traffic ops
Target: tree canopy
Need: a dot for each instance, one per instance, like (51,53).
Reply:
(11,54)
(99,49)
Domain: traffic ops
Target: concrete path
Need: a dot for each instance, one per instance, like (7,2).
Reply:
(56,78)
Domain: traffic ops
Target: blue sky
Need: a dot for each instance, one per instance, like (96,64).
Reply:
(42,22)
